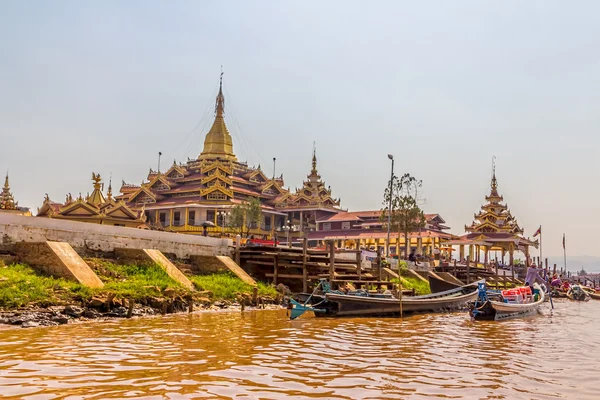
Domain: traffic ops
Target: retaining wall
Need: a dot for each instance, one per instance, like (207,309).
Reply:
(87,236)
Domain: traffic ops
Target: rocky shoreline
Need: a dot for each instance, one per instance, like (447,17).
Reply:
(60,315)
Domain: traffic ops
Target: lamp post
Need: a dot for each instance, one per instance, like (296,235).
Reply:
(389,224)
(223,215)
(289,227)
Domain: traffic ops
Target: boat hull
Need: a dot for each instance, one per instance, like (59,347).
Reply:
(499,311)
(340,305)
(440,285)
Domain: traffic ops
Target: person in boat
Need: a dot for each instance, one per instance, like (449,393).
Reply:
(533,276)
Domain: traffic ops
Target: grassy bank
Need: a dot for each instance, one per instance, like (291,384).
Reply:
(21,285)
(135,281)
(226,286)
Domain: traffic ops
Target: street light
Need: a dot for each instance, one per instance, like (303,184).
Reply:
(389,225)
(223,215)
(289,227)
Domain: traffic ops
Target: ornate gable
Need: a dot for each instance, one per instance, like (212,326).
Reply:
(143,196)
(176,172)
(80,208)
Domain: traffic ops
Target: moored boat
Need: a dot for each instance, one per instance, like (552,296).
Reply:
(337,304)
(508,304)
(577,293)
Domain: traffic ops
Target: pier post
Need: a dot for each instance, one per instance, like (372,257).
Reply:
(468,269)
(454,270)
(275,270)
(512,273)
(331,262)
(304,267)
(238,242)
(497,280)
(359,264)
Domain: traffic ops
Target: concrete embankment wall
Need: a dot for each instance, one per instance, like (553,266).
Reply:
(58,259)
(86,236)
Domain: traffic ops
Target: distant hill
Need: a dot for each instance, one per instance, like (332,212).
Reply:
(575,263)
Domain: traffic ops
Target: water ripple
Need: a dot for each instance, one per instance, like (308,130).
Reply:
(262,355)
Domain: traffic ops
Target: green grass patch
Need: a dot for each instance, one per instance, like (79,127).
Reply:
(133,281)
(418,285)
(21,285)
(225,286)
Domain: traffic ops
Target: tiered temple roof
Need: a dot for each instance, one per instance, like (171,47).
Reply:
(217,180)
(494,216)
(95,207)
(313,193)
(494,229)
(215,177)
(7,200)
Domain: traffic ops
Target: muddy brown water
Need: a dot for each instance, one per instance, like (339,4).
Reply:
(263,355)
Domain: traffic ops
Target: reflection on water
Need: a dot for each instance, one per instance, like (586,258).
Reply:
(262,355)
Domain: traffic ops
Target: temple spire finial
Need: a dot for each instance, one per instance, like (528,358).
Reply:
(6,185)
(494,181)
(220,104)
(109,193)
(314,159)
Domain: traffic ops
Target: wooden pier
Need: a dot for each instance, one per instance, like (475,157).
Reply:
(299,267)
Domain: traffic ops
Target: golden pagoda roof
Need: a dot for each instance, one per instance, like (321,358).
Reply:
(7,201)
(218,143)
(96,198)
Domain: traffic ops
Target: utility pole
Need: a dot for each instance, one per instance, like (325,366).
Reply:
(389,225)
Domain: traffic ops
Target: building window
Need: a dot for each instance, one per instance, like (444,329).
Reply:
(216,196)
(191,217)
(345,225)
(267,222)
(176,218)
(210,215)
(162,218)
(327,226)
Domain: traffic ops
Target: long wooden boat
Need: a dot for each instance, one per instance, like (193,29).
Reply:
(440,285)
(343,305)
(577,293)
(491,306)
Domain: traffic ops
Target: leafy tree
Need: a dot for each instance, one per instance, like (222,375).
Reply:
(246,215)
(406,215)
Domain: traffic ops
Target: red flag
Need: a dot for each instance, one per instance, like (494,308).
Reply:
(538,232)
(564,241)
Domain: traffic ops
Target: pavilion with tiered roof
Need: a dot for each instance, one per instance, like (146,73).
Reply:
(494,229)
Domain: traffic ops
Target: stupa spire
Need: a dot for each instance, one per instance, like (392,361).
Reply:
(218,142)
(314,160)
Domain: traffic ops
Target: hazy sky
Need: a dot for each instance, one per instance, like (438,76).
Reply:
(443,85)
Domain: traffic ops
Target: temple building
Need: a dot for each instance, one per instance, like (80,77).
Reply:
(8,203)
(311,203)
(365,230)
(198,196)
(95,208)
(494,229)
